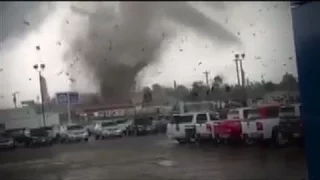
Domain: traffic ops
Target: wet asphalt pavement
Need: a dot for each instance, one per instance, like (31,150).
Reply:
(151,157)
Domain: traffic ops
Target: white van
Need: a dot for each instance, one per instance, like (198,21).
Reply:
(189,126)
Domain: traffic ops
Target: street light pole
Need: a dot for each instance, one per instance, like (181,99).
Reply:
(237,67)
(39,68)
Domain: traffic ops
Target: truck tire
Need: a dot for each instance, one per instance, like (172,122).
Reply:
(279,140)
(181,141)
(97,137)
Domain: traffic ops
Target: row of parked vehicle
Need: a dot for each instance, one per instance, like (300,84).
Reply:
(280,125)
(76,132)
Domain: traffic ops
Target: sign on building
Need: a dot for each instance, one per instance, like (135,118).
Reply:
(67,97)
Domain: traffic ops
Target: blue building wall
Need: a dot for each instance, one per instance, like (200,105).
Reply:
(306,26)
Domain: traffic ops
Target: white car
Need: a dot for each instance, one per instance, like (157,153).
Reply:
(190,126)
(73,132)
(108,129)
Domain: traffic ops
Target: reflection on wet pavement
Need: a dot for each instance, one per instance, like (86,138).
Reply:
(151,157)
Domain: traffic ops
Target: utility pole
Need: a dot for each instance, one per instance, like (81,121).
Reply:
(15,99)
(237,67)
(206,73)
(242,71)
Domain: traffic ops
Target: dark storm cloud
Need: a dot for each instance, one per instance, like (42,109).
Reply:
(18,18)
(120,44)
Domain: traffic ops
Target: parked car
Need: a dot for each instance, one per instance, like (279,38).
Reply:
(19,135)
(108,129)
(142,125)
(38,136)
(6,141)
(73,132)
(190,126)
(53,132)
(290,128)
(230,130)
(260,123)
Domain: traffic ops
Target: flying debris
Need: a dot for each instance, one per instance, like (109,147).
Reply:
(290,58)
(72,80)
(142,49)
(257,57)
(199,63)
(284,64)
(30,79)
(67,74)
(251,25)
(181,50)
(38,48)
(254,34)
(67,22)
(1,69)
(238,33)
(259,10)
(26,23)
(58,43)
(226,20)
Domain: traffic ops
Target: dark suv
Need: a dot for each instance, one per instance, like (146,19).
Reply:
(290,128)
(38,136)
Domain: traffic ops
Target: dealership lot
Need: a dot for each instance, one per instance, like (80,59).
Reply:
(151,157)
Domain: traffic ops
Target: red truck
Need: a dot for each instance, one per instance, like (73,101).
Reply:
(230,129)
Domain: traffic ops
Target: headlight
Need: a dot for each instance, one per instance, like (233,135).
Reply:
(85,133)
(118,130)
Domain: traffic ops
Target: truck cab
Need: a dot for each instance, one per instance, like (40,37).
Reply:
(189,126)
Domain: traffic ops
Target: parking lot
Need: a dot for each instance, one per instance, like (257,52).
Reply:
(151,157)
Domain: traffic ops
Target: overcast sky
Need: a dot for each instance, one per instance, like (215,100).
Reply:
(263,30)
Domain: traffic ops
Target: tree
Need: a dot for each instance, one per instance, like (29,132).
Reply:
(147,95)
(289,82)
(269,86)
(217,81)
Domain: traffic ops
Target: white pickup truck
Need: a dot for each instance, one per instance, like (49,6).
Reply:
(190,126)
(260,123)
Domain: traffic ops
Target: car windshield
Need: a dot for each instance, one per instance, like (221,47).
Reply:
(107,124)
(48,128)
(38,132)
(179,119)
(75,127)
(121,121)
(5,135)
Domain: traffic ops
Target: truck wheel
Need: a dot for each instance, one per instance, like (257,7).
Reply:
(86,139)
(97,137)
(181,141)
(28,144)
(279,139)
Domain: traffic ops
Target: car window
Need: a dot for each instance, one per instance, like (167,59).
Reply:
(202,118)
(106,124)
(246,113)
(75,127)
(271,112)
(214,116)
(182,119)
